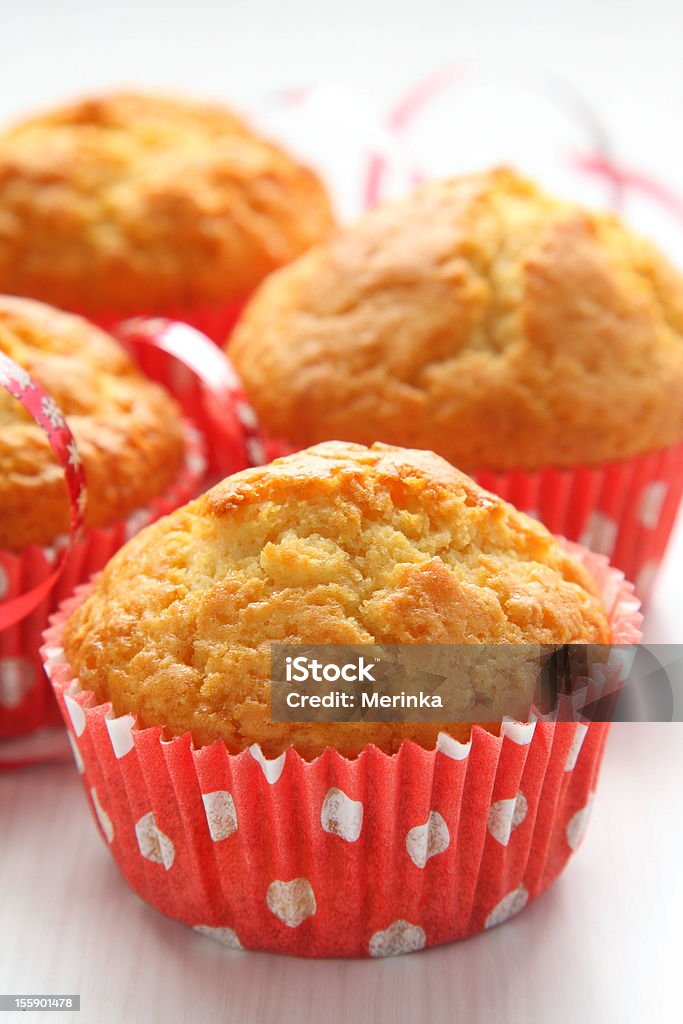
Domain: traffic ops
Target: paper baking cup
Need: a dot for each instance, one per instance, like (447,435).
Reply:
(337,858)
(625,510)
(26,700)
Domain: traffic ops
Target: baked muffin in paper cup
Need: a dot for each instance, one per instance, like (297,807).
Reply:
(141,462)
(533,343)
(26,701)
(333,856)
(166,206)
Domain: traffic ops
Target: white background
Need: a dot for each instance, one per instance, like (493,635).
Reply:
(603,945)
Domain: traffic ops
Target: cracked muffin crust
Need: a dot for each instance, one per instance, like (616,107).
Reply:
(127,429)
(480,318)
(136,202)
(336,544)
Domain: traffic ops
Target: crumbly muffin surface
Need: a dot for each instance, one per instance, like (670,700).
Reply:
(480,318)
(135,202)
(127,430)
(337,544)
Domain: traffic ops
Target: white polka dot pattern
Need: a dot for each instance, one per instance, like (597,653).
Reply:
(53,550)
(341,816)
(17,679)
(600,534)
(400,937)
(121,734)
(221,815)
(505,816)
(154,844)
(620,662)
(256,452)
(452,748)
(575,749)
(508,907)
(76,714)
(226,936)
(292,902)
(428,840)
(272,769)
(246,415)
(651,504)
(578,823)
(52,656)
(520,733)
(102,816)
(76,752)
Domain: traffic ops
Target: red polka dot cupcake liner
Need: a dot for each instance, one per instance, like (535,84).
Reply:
(625,510)
(339,858)
(26,700)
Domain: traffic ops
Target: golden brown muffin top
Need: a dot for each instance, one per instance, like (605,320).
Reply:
(127,429)
(134,202)
(336,544)
(480,318)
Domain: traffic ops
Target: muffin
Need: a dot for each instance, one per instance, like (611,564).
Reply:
(502,328)
(135,453)
(129,203)
(339,544)
(346,838)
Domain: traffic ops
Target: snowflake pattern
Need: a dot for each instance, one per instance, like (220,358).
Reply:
(15,376)
(74,455)
(52,413)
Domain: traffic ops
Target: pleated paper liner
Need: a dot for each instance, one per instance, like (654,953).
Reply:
(337,858)
(26,700)
(625,510)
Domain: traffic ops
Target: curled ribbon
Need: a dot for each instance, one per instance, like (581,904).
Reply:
(403,115)
(44,411)
(627,179)
(232,426)
(599,161)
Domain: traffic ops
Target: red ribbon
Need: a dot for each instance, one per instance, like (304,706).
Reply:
(425,92)
(234,433)
(42,408)
(628,179)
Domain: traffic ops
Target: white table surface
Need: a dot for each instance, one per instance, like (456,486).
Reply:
(603,945)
